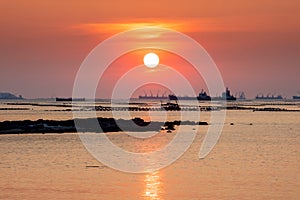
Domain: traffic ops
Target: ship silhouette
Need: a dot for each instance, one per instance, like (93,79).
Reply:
(69,99)
(153,97)
(268,97)
(201,97)
(225,96)
(297,97)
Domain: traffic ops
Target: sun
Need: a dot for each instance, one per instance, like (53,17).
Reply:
(151,60)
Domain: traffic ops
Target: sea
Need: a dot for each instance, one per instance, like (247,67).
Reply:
(257,155)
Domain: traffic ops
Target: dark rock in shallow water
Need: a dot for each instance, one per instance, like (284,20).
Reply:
(88,125)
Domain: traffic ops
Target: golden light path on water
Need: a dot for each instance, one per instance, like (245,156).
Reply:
(153,185)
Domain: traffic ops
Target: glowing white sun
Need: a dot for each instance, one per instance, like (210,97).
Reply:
(151,60)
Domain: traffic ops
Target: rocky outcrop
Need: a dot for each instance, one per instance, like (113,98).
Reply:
(88,125)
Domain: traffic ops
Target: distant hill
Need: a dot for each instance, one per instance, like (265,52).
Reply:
(7,95)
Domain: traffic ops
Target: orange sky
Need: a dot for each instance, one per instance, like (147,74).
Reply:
(134,59)
(255,44)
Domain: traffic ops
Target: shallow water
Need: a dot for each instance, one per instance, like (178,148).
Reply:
(258,161)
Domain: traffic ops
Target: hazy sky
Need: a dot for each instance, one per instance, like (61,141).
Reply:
(256,44)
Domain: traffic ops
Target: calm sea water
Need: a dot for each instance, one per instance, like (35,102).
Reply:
(258,157)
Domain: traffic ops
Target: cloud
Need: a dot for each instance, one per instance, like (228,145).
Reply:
(95,28)
(250,23)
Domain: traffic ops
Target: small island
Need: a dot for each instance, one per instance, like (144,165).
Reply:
(7,95)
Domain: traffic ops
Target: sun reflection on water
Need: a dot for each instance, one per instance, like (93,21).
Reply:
(153,186)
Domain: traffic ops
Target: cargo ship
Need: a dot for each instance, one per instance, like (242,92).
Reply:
(268,97)
(152,97)
(201,97)
(297,97)
(225,96)
(69,99)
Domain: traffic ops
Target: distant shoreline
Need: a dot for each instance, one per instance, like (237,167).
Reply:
(142,106)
